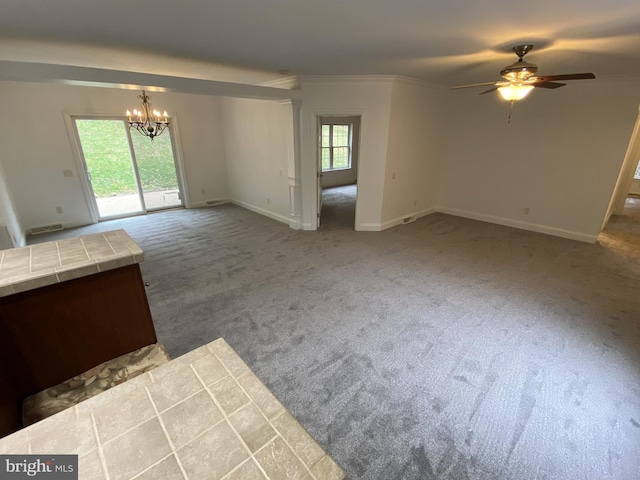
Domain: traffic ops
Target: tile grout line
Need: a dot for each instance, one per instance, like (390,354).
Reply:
(103,462)
(226,417)
(92,412)
(166,434)
(284,410)
(137,475)
(106,239)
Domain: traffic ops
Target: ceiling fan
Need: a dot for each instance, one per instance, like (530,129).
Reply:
(520,78)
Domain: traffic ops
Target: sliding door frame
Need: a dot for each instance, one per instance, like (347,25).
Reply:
(83,172)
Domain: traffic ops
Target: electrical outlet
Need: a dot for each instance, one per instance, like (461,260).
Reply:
(415,203)
(203,191)
(393,176)
(525,211)
(268,201)
(59,210)
(67,173)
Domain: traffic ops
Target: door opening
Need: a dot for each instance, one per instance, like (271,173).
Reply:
(626,178)
(338,159)
(127,174)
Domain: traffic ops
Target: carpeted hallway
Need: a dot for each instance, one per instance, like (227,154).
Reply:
(442,349)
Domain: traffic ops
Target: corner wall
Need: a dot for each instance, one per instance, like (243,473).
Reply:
(256,156)
(415,152)
(559,157)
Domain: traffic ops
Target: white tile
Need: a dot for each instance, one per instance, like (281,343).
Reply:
(190,418)
(77,437)
(214,454)
(118,417)
(135,451)
(168,391)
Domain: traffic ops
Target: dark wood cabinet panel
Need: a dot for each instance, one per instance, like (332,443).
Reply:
(54,333)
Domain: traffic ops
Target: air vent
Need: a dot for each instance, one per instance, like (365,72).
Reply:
(45,229)
(408,219)
(211,203)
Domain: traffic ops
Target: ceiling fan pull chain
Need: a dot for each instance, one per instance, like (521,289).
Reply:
(510,111)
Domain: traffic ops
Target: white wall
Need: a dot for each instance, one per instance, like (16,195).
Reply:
(8,216)
(369,97)
(36,147)
(559,157)
(415,151)
(255,136)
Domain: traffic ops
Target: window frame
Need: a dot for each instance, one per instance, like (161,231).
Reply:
(331,147)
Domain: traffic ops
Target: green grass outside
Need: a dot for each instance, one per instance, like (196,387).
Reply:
(106,151)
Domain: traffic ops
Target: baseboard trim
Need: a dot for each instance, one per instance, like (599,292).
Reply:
(408,218)
(261,211)
(532,227)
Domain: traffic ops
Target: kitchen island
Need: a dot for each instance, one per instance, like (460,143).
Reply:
(65,307)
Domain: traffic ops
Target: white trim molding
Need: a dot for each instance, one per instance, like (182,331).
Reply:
(532,227)
(261,211)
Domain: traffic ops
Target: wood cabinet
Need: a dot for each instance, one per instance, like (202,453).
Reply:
(53,333)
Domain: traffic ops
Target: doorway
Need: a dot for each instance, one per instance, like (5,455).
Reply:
(127,174)
(338,162)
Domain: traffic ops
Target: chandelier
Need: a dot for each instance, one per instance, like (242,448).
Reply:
(149,123)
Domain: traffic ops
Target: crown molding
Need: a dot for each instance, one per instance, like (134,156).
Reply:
(386,79)
(376,79)
(289,83)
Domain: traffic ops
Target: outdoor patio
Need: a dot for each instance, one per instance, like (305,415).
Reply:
(119,205)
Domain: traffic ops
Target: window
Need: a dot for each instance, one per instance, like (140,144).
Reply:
(128,173)
(336,146)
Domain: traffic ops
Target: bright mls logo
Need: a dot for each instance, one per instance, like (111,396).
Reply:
(51,467)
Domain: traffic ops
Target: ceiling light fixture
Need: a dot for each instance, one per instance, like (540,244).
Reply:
(515,92)
(149,123)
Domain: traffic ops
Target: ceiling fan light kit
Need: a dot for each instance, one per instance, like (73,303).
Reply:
(514,92)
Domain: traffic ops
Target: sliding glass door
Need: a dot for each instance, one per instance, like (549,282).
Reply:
(128,173)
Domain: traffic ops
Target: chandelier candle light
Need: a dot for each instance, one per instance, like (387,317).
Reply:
(149,123)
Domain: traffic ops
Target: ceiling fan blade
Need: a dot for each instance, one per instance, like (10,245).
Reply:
(549,84)
(490,90)
(569,76)
(472,85)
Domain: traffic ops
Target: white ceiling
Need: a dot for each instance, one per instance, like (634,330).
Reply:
(445,42)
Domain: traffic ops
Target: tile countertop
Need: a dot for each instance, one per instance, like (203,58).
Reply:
(28,268)
(204,415)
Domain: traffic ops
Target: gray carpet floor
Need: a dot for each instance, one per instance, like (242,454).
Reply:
(442,349)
